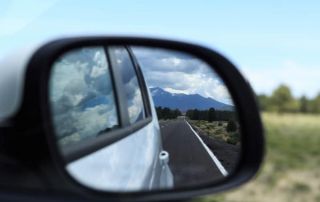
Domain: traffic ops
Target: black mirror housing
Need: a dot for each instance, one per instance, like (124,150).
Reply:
(29,137)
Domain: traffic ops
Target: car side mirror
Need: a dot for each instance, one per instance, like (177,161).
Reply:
(135,118)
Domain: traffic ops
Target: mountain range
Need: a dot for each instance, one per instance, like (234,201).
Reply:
(184,102)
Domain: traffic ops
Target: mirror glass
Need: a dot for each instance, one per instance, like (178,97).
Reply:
(132,118)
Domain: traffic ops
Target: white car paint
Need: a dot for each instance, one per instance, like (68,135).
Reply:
(13,68)
(122,166)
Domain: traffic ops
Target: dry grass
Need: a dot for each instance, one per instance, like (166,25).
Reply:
(217,130)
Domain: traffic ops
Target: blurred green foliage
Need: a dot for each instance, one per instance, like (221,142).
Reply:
(282,101)
(291,169)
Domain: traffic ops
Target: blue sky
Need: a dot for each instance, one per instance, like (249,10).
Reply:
(271,42)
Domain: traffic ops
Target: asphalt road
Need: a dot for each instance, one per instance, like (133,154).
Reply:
(190,162)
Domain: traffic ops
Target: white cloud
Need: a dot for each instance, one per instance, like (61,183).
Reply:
(178,72)
(79,124)
(67,78)
(171,61)
(97,71)
(135,106)
(172,90)
(302,79)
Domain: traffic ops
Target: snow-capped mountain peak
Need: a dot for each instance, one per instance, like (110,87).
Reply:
(185,102)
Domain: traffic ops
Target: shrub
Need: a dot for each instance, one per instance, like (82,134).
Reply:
(232,126)
(233,138)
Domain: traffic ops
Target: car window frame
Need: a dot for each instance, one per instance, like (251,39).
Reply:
(123,107)
(84,148)
(142,83)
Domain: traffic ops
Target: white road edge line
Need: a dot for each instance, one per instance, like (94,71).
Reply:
(223,171)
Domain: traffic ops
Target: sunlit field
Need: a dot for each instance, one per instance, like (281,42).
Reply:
(291,170)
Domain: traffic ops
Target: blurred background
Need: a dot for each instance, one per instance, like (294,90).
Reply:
(276,44)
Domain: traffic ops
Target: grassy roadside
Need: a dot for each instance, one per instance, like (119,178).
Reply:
(291,171)
(217,130)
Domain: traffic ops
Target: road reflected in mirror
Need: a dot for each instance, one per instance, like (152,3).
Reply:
(130,119)
(198,120)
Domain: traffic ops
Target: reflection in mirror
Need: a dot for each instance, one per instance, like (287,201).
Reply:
(142,118)
(81,96)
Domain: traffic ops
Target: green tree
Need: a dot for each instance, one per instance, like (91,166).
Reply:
(211,114)
(196,114)
(315,105)
(189,114)
(166,113)
(304,105)
(176,113)
(264,102)
(159,112)
(232,126)
(282,100)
